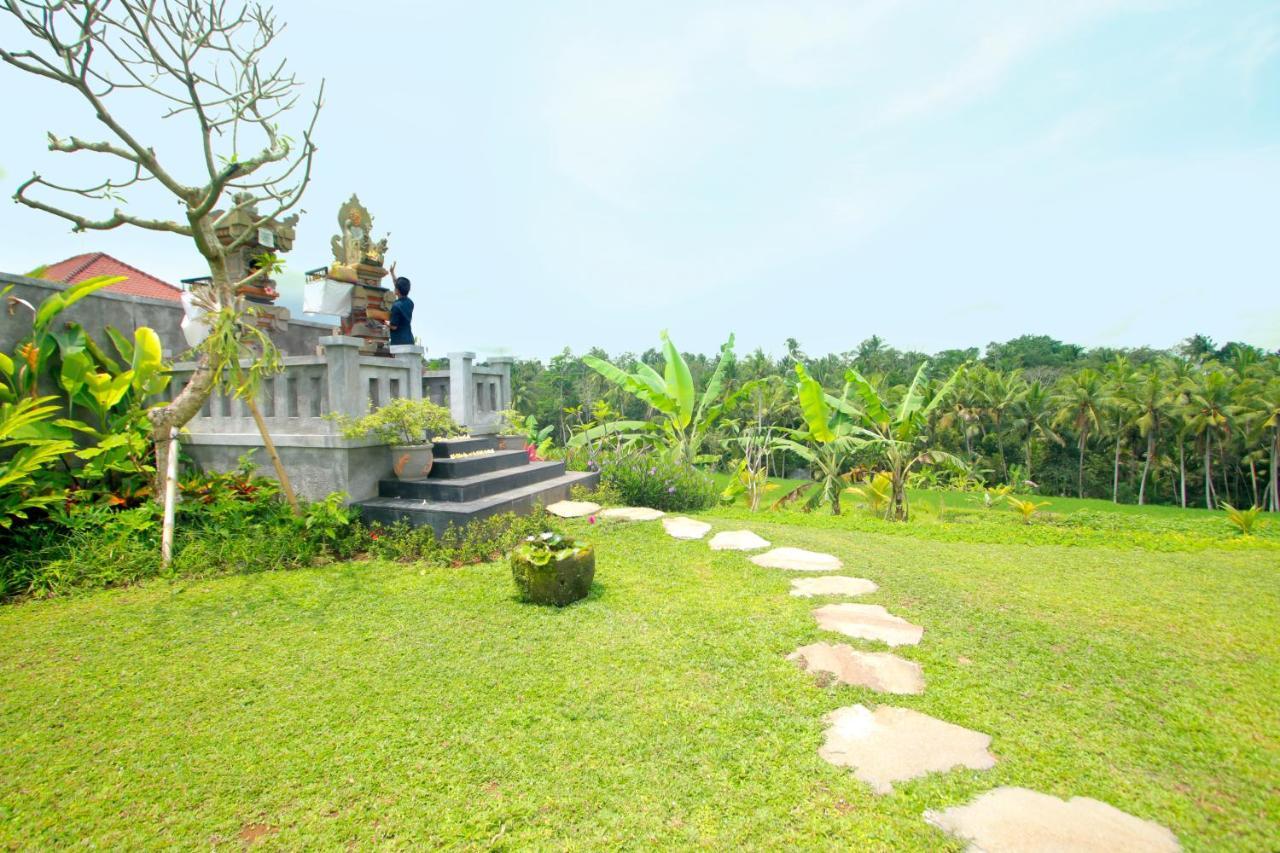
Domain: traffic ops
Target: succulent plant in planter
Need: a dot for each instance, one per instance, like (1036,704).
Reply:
(553,569)
(406,425)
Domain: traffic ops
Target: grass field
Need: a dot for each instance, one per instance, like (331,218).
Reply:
(380,704)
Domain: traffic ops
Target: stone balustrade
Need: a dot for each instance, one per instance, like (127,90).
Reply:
(294,404)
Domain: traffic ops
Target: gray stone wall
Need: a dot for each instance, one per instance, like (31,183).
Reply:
(128,313)
(323,373)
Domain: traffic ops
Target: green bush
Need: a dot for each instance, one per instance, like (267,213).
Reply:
(480,541)
(655,480)
(401,422)
(225,523)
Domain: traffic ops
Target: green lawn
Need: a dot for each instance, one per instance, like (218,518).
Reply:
(381,704)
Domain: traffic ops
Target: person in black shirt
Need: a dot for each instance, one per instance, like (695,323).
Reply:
(401,312)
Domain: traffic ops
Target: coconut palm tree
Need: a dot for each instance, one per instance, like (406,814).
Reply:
(1119,376)
(1033,418)
(962,410)
(999,393)
(1154,403)
(1210,406)
(1261,412)
(1180,374)
(1081,400)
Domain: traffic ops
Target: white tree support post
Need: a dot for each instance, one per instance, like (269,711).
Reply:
(170,498)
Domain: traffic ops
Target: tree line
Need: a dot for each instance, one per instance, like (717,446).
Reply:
(1198,424)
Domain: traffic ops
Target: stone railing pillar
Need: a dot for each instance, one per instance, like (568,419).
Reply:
(462,387)
(410,355)
(342,359)
(503,363)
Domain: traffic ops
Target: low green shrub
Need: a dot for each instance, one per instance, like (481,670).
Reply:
(480,541)
(655,480)
(225,523)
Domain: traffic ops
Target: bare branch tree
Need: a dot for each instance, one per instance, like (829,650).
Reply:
(203,60)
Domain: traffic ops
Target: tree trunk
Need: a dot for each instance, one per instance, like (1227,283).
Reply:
(1115,477)
(900,510)
(1080,472)
(1182,472)
(176,414)
(281,475)
(1275,469)
(1146,466)
(1028,449)
(1208,471)
(1253,481)
(1004,464)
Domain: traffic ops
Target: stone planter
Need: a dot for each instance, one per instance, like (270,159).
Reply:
(559,582)
(411,461)
(510,442)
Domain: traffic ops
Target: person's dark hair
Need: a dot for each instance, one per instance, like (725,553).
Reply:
(402,286)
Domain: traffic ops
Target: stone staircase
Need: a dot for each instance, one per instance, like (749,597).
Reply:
(462,488)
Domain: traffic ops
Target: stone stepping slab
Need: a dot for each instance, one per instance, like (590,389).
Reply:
(573,509)
(842,664)
(685,528)
(797,560)
(831,585)
(1017,819)
(868,622)
(889,745)
(633,513)
(737,540)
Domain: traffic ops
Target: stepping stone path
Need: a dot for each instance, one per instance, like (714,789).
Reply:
(890,745)
(737,540)
(841,664)
(573,509)
(633,513)
(1016,819)
(831,585)
(868,622)
(685,528)
(797,560)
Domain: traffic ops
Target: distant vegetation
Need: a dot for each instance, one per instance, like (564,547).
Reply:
(1198,425)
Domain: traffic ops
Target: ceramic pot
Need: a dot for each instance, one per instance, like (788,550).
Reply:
(411,461)
(510,442)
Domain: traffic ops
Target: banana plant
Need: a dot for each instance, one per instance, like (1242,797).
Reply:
(900,435)
(685,418)
(827,441)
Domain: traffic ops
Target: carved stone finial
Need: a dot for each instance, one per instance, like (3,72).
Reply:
(352,244)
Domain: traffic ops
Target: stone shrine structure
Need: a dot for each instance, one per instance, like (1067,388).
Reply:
(358,261)
(273,238)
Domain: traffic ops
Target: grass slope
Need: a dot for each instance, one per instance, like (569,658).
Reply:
(383,704)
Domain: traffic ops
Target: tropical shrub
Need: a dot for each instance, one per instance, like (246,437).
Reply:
(482,540)
(401,421)
(97,427)
(683,427)
(659,481)
(877,493)
(230,522)
(827,442)
(900,435)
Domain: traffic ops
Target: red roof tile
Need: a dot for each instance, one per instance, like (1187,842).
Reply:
(137,283)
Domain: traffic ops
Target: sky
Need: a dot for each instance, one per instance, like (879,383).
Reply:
(578,174)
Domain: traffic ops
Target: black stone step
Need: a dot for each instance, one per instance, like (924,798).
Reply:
(454,446)
(440,515)
(461,489)
(468,466)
